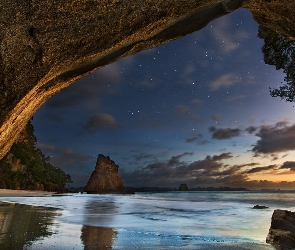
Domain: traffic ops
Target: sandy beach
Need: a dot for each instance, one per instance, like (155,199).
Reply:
(23,193)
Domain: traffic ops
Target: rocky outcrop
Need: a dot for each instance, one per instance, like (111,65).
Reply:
(45,45)
(282,230)
(15,163)
(183,187)
(105,177)
(259,207)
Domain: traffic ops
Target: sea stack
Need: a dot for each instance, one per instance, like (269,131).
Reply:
(183,187)
(105,177)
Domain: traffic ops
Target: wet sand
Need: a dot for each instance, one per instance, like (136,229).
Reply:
(36,227)
(234,246)
(23,193)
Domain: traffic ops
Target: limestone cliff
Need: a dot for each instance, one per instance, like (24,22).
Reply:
(105,177)
(45,45)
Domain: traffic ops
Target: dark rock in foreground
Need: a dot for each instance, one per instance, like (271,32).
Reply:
(259,207)
(282,230)
(183,187)
(105,177)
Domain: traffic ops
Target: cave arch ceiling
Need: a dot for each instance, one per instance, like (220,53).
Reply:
(47,45)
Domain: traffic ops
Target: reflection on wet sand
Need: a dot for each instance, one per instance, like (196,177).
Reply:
(98,212)
(97,237)
(20,225)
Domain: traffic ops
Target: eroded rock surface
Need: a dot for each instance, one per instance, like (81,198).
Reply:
(282,230)
(105,177)
(45,45)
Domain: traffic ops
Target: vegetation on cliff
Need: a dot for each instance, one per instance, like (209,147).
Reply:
(26,167)
(279,50)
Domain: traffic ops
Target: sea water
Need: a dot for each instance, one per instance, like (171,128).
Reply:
(180,220)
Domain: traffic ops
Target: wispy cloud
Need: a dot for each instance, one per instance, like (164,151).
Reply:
(227,41)
(224,81)
(181,109)
(194,138)
(99,122)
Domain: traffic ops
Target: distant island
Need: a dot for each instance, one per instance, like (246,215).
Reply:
(167,189)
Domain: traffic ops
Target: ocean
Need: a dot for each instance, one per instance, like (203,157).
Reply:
(168,220)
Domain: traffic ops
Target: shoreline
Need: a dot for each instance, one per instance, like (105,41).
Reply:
(24,193)
(86,234)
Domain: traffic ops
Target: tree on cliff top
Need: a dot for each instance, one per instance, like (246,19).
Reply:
(280,51)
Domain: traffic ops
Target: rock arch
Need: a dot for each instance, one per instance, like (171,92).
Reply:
(45,45)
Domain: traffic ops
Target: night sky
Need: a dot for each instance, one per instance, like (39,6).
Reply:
(196,110)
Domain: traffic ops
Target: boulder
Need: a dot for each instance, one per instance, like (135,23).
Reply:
(259,207)
(282,230)
(130,191)
(183,187)
(105,177)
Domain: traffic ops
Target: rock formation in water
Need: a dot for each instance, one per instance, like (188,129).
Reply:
(105,177)
(259,207)
(45,45)
(282,230)
(183,187)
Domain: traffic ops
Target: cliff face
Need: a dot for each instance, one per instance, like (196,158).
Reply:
(105,177)
(45,45)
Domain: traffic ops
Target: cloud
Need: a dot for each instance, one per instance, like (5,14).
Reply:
(216,118)
(87,91)
(237,97)
(275,139)
(288,165)
(194,138)
(227,41)
(224,81)
(186,114)
(187,74)
(174,171)
(251,129)
(222,156)
(175,159)
(224,133)
(181,109)
(191,139)
(261,169)
(204,142)
(210,171)
(196,101)
(110,74)
(99,122)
